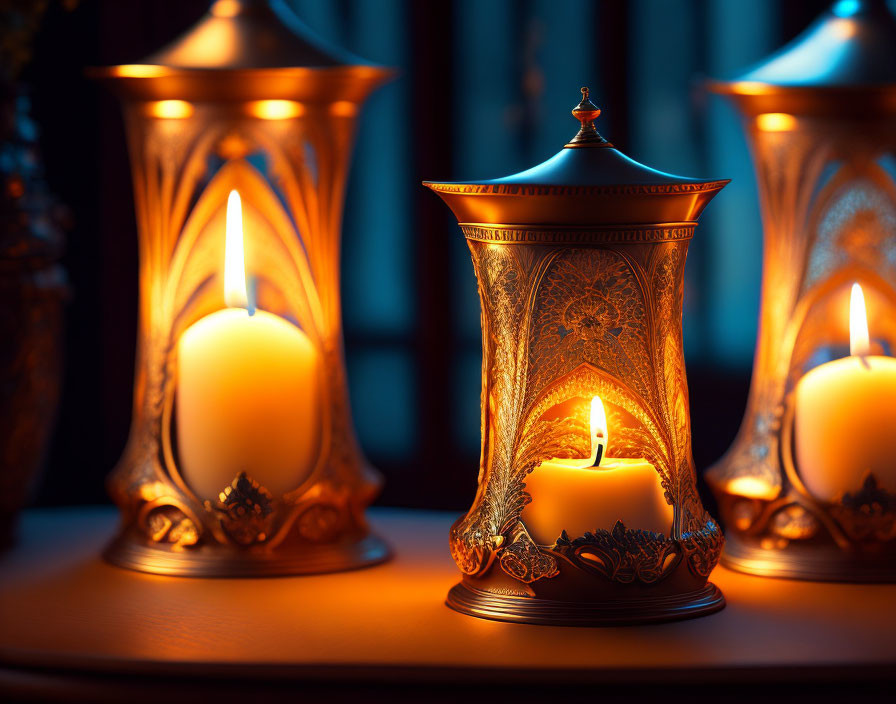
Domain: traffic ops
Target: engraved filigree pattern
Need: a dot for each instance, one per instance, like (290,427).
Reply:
(621,554)
(590,309)
(573,236)
(507,276)
(703,548)
(609,190)
(523,560)
(562,323)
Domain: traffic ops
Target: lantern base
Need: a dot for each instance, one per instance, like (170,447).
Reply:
(547,612)
(817,563)
(217,561)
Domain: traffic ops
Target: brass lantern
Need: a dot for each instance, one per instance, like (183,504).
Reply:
(587,509)
(242,458)
(808,489)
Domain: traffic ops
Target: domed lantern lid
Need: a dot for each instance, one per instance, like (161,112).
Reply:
(843,63)
(248,50)
(588,183)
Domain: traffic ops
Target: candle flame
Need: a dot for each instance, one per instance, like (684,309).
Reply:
(858,323)
(235,293)
(599,431)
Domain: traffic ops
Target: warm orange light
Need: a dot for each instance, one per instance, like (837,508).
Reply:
(751,487)
(170,109)
(226,8)
(140,71)
(600,434)
(750,88)
(859,342)
(235,293)
(343,108)
(599,431)
(775,122)
(275,109)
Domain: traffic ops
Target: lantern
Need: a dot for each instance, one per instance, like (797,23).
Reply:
(807,488)
(587,509)
(242,458)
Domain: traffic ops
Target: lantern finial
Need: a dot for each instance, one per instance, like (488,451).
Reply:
(586,112)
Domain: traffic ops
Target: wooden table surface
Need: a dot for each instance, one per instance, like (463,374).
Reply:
(65,614)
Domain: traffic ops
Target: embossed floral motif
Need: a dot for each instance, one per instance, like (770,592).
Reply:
(621,554)
(868,514)
(523,560)
(244,509)
(794,522)
(168,524)
(703,548)
(319,522)
(590,309)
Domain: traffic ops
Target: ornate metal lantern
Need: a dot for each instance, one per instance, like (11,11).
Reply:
(242,458)
(808,489)
(580,263)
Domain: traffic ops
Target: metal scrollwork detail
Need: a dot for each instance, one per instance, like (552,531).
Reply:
(169,524)
(523,560)
(703,548)
(869,513)
(621,554)
(320,522)
(244,510)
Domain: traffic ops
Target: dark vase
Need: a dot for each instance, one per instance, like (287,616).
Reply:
(32,291)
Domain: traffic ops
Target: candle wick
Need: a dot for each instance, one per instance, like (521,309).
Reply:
(864,360)
(598,455)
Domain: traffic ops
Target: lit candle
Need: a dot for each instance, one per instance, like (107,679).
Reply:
(247,389)
(582,495)
(845,416)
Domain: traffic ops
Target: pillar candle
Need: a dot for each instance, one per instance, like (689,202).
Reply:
(845,417)
(247,390)
(582,495)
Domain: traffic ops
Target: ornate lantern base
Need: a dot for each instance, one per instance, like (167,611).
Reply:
(824,563)
(131,551)
(615,577)
(622,612)
(788,533)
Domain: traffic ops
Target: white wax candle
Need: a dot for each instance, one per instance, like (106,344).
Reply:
(247,400)
(582,495)
(845,425)
(845,416)
(578,500)
(247,389)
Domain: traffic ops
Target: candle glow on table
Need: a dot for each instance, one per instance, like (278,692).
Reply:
(845,416)
(582,495)
(247,389)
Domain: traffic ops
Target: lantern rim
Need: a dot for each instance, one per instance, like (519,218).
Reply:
(302,83)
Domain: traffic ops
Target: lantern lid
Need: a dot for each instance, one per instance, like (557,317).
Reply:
(851,48)
(588,182)
(248,49)
(249,34)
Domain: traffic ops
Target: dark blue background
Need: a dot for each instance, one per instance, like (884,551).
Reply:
(484,89)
